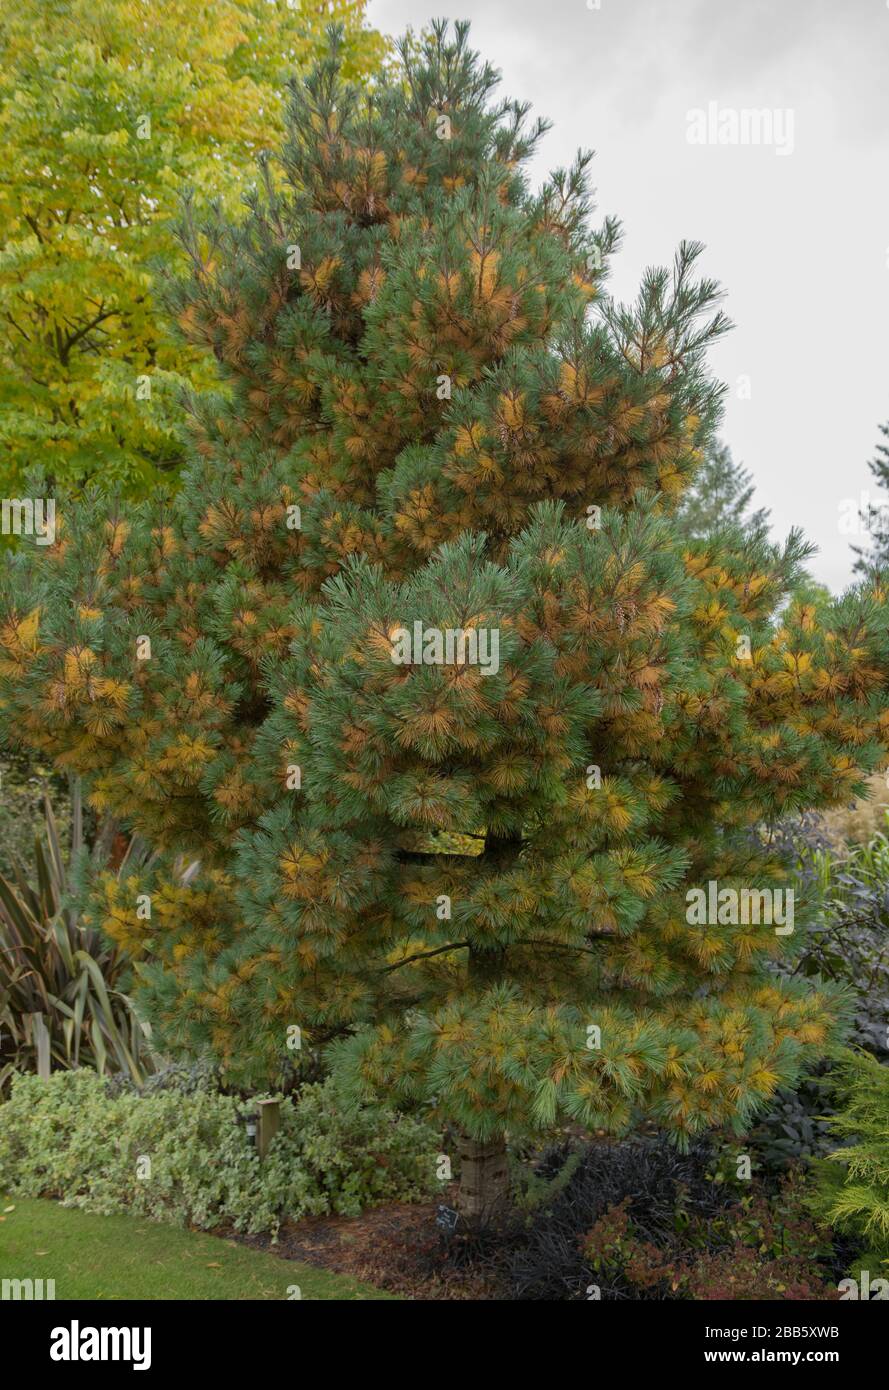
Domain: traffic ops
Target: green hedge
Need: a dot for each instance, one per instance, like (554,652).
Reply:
(71,1137)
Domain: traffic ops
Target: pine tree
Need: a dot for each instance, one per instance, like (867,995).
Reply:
(874,558)
(720,496)
(435,720)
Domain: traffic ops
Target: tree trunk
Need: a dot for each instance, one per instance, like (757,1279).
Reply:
(484,1177)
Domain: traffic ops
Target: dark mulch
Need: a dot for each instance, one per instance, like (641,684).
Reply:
(398,1247)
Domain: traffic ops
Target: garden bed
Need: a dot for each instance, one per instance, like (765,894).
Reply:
(397,1247)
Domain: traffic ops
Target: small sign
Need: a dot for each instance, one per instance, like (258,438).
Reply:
(447,1218)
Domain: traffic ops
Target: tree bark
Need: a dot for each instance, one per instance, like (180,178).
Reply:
(484,1174)
(484,1178)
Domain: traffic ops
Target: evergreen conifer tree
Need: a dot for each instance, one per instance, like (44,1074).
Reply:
(874,558)
(432,715)
(720,496)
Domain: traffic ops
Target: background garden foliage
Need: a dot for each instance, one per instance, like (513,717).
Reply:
(853,1191)
(109,109)
(63,1000)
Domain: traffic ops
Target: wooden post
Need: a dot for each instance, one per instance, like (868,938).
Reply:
(268,1117)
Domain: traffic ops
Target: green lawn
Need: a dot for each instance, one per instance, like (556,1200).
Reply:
(109,1257)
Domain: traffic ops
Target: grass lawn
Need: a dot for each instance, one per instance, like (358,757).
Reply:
(109,1257)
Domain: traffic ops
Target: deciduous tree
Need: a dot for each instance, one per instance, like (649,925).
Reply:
(108,110)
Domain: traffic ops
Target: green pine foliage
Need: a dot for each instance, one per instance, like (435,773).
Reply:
(465,880)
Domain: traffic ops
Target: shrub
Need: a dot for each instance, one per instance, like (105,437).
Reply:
(849,943)
(639,1220)
(62,999)
(71,1137)
(757,1249)
(183,1077)
(853,1183)
(846,942)
(548,1260)
(26,781)
(796,1128)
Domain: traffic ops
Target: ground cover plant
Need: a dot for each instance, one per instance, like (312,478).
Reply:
(184,1155)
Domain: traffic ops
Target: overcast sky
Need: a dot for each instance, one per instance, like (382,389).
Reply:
(797,230)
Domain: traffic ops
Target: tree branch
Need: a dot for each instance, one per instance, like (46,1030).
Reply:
(425,955)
